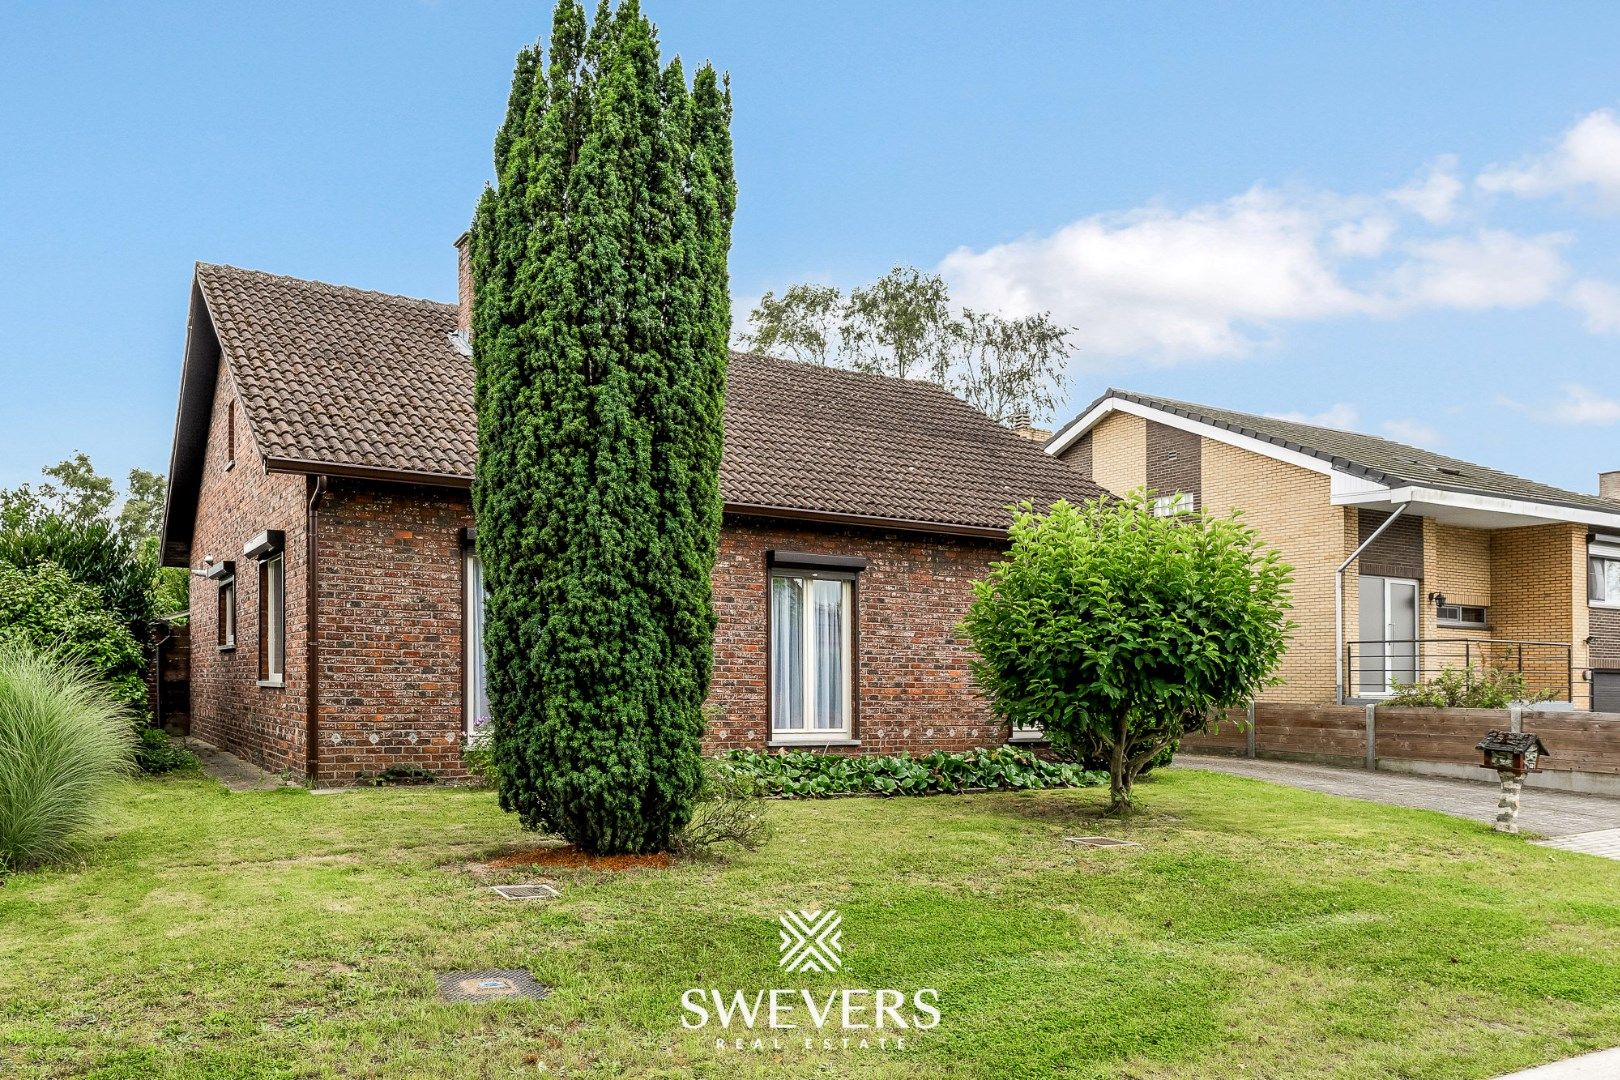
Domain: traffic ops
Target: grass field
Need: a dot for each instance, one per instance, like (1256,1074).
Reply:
(1258,931)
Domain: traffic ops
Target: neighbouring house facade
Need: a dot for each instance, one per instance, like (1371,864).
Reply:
(319,493)
(1405,561)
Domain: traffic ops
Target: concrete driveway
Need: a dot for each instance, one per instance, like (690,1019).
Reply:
(1573,822)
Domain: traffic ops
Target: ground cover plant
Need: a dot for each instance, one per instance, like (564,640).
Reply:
(1257,931)
(803,774)
(1482,687)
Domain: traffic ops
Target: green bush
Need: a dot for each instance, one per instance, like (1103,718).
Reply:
(43,608)
(95,554)
(480,762)
(64,740)
(727,815)
(1121,628)
(599,349)
(1469,688)
(803,774)
(157,753)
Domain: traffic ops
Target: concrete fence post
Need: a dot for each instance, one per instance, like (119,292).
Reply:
(1249,734)
(1372,737)
(1516,718)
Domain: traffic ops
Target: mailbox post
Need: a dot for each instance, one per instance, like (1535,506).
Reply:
(1511,754)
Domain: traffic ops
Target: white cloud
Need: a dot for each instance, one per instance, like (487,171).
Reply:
(1412,431)
(1582,405)
(1490,269)
(1341,416)
(1165,283)
(1433,197)
(1364,238)
(1585,158)
(1599,301)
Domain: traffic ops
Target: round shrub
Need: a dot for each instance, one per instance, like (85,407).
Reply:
(44,609)
(64,739)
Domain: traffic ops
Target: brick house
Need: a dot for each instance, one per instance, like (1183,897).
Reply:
(1405,561)
(319,493)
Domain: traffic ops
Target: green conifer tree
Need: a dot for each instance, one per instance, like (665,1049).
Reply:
(599,334)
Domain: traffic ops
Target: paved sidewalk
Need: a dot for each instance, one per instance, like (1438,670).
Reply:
(1603,1065)
(1561,814)
(232,771)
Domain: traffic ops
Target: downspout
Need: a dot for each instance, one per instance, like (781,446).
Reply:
(312,674)
(1338,601)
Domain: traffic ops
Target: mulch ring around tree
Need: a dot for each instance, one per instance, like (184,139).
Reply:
(567,857)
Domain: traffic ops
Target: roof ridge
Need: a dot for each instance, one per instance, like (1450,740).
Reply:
(1257,423)
(314,284)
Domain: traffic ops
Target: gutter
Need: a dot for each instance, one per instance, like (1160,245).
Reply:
(312,673)
(1338,601)
(828,517)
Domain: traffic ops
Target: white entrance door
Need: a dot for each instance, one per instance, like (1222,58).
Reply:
(1388,653)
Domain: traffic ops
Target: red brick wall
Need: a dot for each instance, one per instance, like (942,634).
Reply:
(235,503)
(913,688)
(390,610)
(390,650)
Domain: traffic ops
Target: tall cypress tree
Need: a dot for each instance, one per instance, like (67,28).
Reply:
(600,322)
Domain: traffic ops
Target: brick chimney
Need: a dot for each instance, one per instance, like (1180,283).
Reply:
(464,288)
(1609,485)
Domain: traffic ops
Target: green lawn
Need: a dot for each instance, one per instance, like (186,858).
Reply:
(1258,931)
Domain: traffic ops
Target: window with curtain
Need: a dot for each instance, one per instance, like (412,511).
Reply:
(477,689)
(812,659)
(1603,573)
(272,620)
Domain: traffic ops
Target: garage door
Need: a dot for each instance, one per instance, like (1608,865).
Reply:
(1606,691)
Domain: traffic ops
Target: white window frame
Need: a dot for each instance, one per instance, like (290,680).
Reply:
(1598,554)
(475,663)
(225,609)
(1175,505)
(1022,734)
(1389,643)
(273,619)
(807,734)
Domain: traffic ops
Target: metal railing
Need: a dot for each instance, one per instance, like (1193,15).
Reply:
(1374,668)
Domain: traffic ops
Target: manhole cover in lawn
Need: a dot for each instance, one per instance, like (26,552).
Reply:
(489,985)
(1099,841)
(526,892)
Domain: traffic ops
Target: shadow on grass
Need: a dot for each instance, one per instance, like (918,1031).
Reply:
(1085,810)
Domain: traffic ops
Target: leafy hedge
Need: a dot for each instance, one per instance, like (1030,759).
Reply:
(45,609)
(802,774)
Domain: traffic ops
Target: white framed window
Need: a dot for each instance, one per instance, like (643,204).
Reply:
(812,615)
(272,620)
(1461,615)
(1027,734)
(1603,572)
(225,617)
(476,690)
(1172,505)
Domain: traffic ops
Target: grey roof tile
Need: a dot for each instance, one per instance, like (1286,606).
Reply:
(1381,460)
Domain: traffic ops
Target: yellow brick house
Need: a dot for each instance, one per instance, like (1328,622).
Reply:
(1405,561)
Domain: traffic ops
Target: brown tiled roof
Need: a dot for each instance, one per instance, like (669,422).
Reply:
(344,378)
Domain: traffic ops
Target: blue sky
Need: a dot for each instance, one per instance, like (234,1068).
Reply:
(1398,218)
